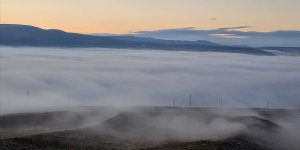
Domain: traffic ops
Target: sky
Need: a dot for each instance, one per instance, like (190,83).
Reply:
(124,16)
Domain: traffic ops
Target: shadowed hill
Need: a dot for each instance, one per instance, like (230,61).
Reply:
(141,129)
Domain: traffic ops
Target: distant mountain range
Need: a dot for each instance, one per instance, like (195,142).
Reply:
(228,36)
(24,35)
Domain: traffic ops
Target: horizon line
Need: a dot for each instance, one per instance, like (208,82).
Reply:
(156,30)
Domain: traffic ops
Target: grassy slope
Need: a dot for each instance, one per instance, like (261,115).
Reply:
(86,138)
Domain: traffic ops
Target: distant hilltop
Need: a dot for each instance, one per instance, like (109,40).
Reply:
(25,35)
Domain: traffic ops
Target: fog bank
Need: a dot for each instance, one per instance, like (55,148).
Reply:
(111,77)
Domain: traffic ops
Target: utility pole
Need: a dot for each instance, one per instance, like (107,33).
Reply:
(173,102)
(68,100)
(190,100)
(268,103)
(27,95)
(222,102)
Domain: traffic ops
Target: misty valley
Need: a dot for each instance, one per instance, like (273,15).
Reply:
(149,75)
(106,98)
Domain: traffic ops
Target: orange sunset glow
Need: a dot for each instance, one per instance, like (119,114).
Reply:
(123,16)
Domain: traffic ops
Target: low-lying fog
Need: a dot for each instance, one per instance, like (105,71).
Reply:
(46,77)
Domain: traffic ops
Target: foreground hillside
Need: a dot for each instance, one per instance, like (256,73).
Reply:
(143,128)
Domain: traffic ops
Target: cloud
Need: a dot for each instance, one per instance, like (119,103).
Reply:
(250,38)
(168,30)
(130,77)
(230,36)
(213,19)
(235,28)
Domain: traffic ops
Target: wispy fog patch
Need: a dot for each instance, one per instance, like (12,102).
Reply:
(222,36)
(227,36)
(108,77)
